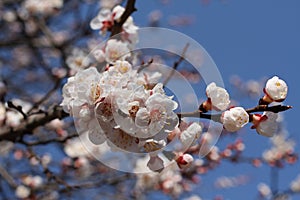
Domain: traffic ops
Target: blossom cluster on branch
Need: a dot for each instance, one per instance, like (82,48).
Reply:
(129,110)
(120,105)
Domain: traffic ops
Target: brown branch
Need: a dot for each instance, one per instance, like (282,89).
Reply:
(46,96)
(129,9)
(176,64)
(216,117)
(48,173)
(7,177)
(43,142)
(144,65)
(32,122)
(93,184)
(17,108)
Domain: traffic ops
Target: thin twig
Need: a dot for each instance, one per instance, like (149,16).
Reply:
(216,117)
(46,96)
(17,108)
(176,64)
(7,177)
(43,142)
(144,65)
(27,127)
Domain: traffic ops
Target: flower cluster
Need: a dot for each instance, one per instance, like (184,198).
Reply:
(235,118)
(107,17)
(129,110)
(120,101)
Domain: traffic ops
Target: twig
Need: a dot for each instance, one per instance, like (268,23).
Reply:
(43,142)
(176,64)
(17,108)
(106,181)
(144,65)
(216,117)
(129,9)
(49,174)
(14,134)
(274,180)
(46,96)
(7,177)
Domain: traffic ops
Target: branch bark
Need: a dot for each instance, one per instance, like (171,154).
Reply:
(129,9)
(216,117)
(32,122)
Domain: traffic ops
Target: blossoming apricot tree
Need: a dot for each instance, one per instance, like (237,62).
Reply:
(119,107)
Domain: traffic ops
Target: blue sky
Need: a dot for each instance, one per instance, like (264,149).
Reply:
(253,39)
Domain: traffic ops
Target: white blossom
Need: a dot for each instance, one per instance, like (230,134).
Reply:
(276,89)
(45,7)
(106,18)
(265,124)
(169,179)
(192,133)
(280,146)
(264,190)
(157,115)
(22,192)
(78,60)
(234,119)
(109,3)
(102,21)
(295,184)
(218,96)
(116,50)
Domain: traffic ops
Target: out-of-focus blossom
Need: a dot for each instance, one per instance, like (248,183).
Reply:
(116,50)
(265,124)
(214,154)
(193,197)
(190,135)
(281,146)
(154,17)
(32,181)
(234,119)
(22,192)
(6,147)
(264,190)
(295,184)
(229,182)
(168,180)
(253,88)
(45,7)
(109,4)
(78,60)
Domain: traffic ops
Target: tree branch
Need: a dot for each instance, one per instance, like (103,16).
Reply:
(176,64)
(129,9)
(216,117)
(32,122)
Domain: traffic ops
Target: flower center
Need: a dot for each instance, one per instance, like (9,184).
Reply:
(95,92)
